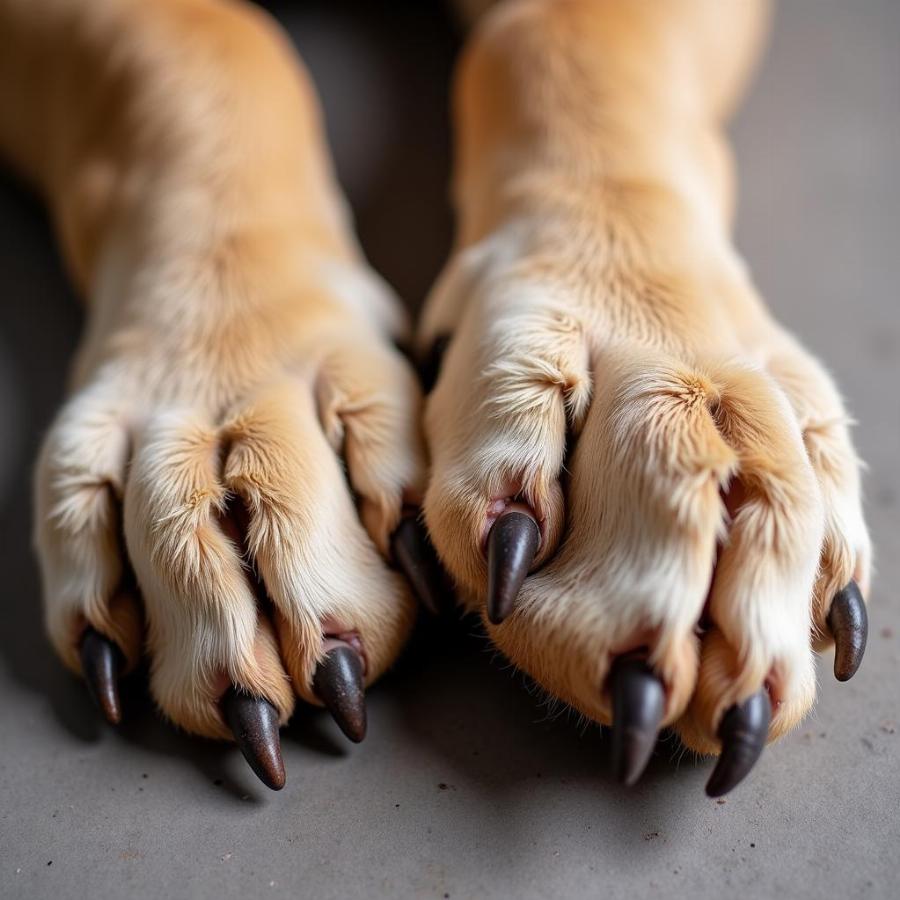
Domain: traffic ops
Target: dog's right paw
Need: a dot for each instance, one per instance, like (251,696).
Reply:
(653,525)
(236,502)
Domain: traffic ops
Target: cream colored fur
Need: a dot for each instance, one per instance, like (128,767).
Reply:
(238,344)
(613,366)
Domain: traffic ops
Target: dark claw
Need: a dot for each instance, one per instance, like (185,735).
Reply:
(511,547)
(743,734)
(849,625)
(338,683)
(415,555)
(101,660)
(431,365)
(254,723)
(639,701)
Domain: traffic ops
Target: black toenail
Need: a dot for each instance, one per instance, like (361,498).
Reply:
(415,556)
(639,702)
(743,732)
(431,364)
(254,723)
(338,683)
(101,661)
(848,622)
(512,544)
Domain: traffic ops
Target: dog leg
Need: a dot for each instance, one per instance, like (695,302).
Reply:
(238,378)
(672,470)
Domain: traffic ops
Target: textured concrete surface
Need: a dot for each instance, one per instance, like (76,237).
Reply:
(467,785)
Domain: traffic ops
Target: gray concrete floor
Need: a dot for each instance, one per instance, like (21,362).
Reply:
(465,787)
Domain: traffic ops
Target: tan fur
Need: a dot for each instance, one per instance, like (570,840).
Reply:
(594,288)
(238,343)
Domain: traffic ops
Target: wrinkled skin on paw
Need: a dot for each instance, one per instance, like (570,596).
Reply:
(251,561)
(232,486)
(691,508)
(643,484)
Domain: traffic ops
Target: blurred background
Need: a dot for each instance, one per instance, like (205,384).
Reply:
(468,785)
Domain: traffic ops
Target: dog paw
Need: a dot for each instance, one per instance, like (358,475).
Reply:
(647,490)
(231,490)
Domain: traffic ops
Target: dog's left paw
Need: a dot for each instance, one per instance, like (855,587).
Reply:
(675,474)
(230,492)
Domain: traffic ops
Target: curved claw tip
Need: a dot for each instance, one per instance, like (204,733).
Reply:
(848,622)
(101,660)
(416,557)
(743,734)
(254,723)
(639,700)
(338,683)
(511,547)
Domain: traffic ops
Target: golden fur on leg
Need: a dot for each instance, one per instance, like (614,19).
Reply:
(612,366)
(237,344)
